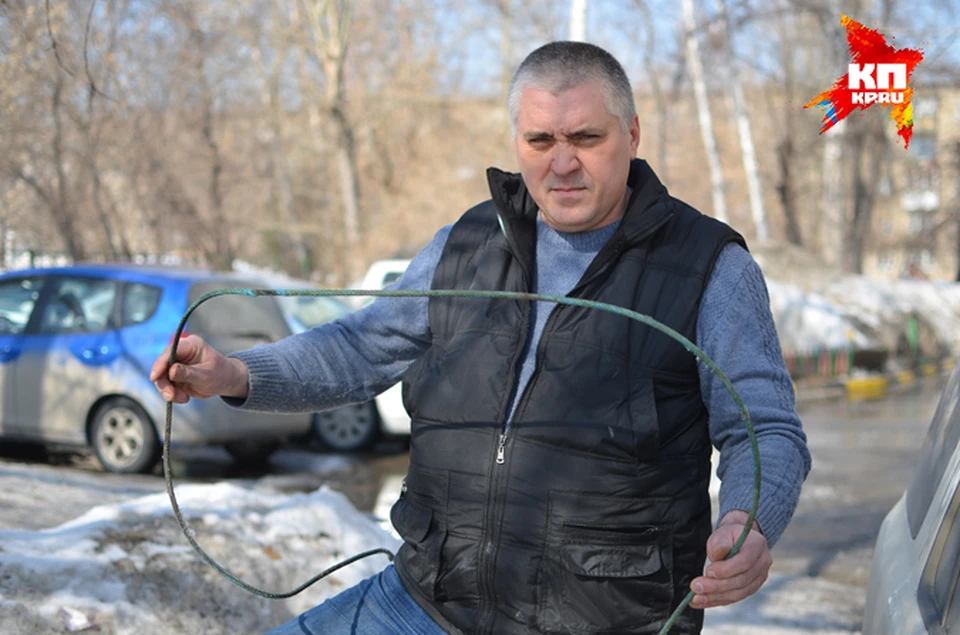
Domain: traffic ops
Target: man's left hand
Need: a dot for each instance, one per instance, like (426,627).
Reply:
(728,581)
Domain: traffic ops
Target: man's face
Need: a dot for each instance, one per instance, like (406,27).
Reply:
(574,156)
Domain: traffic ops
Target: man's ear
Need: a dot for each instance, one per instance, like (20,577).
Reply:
(635,134)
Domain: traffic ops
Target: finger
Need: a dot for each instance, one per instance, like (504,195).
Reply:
(189,348)
(182,374)
(160,366)
(711,586)
(721,542)
(731,596)
(162,383)
(754,551)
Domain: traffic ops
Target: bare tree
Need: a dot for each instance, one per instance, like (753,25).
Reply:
(578,20)
(659,97)
(329,22)
(744,131)
(703,109)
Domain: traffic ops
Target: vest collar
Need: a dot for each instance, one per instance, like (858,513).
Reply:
(518,211)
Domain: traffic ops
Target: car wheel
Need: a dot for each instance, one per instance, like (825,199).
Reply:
(124,438)
(253,451)
(348,428)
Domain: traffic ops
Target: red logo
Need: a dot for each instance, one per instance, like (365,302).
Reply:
(878,75)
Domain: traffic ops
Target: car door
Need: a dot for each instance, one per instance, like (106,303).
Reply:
(69,365)
(18,298)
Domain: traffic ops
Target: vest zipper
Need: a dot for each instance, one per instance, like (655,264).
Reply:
(488,550)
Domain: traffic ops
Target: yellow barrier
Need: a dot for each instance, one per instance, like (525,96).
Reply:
(929,370)
(906,377)
(948,365)
(867,388)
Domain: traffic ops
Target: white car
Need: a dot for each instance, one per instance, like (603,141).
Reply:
(915,578)
(356,427)
(380,274)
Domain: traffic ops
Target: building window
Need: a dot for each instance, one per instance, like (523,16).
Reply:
(925,107)
(923,147)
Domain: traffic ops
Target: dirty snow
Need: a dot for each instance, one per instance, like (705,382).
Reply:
(127,568)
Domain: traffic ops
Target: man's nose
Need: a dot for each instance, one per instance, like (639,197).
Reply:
(565,160)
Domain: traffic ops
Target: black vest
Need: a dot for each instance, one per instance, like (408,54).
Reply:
(592,514)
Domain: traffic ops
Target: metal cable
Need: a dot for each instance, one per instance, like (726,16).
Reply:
(445,293)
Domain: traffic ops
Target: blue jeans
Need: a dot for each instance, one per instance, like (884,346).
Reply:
(377,606)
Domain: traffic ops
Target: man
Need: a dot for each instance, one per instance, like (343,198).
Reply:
(560,456)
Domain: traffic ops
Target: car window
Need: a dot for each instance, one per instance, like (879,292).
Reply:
(938,593)
(235,322)
(942,438)
(312,311)
(17,299)
(80,305)
(139,303)
(391,277)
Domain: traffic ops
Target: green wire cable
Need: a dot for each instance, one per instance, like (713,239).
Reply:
(445,293)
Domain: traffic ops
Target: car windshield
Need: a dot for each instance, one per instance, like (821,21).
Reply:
(942,438)
(312,311)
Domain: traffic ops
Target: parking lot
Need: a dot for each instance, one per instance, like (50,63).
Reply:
(863,456)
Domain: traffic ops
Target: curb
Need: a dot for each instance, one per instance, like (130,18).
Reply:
(872,387)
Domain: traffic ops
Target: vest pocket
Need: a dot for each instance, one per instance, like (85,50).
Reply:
(423,539)
(614,579)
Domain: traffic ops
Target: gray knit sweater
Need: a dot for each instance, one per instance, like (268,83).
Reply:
(363,354)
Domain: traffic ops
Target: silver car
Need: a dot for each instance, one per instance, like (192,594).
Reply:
(916,565)
(77,344)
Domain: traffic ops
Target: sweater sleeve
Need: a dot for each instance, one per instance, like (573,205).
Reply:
(736,329)
(349,360)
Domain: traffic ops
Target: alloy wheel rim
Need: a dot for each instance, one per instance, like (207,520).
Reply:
(120,437)
(345,427)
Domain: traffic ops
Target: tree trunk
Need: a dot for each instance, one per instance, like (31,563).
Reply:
(663,106)
(956,205)
(330,25)
(786,146)
(578,20)
(60,208)
(867,140)
(221,228)
(506,47)
(785,190)
(834,203)
(703,110)
(105,221)
(742,114)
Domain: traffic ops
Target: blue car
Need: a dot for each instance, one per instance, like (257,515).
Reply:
(77,344)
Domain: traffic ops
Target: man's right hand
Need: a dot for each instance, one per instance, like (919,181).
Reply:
(199,371)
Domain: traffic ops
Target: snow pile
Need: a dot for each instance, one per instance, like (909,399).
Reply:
(885,306)
(817,307)
(808,321)
(127,567)
(864,312)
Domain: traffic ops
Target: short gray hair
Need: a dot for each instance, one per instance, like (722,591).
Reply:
(560,66)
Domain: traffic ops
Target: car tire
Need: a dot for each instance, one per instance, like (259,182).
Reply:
(253,451)
(123,437)
(350,428)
